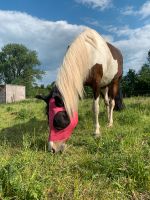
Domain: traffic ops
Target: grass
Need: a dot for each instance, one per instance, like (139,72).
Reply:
(115,166)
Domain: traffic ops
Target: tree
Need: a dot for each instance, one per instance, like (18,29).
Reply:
(129,83)
(137,83)
(148,58)
(144,77)
(18,65)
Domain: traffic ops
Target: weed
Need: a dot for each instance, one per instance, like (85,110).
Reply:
(24,114)
(113,167)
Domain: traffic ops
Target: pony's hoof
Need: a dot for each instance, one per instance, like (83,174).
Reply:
(97,135)
(110,125)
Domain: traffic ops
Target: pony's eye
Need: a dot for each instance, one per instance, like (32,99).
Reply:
(58,101)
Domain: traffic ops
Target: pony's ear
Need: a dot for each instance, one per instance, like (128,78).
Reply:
(44,98)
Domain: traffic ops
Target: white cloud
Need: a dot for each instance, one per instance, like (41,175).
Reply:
(135,47)
(101,4)
(144,10)
(108,38)
(50,39)
(129,10)
(133,43)
(91,21)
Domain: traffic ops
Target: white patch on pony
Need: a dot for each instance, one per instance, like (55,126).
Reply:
(101,54)
(88,49)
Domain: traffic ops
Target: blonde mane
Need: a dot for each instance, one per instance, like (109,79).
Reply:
(75,69)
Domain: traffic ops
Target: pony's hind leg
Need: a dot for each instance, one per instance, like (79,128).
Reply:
(111,108)
(104,93)
(96,115)
(113,90)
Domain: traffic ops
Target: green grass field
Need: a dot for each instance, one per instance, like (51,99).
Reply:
(115,166)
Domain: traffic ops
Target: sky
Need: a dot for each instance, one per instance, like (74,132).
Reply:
(49,26)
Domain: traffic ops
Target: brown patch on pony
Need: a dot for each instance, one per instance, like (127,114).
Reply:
(116,54)
(94,79)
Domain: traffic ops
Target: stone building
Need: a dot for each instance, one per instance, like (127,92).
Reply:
(11,93)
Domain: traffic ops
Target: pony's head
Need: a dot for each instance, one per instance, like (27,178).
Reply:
(60,124)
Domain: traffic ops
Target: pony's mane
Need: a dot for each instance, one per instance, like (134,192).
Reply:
(75,69)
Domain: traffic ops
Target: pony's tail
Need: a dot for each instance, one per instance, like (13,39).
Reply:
(119,104)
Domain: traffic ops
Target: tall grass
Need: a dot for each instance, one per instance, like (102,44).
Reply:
(115,166)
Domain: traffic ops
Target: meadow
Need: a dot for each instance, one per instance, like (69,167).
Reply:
(113,167)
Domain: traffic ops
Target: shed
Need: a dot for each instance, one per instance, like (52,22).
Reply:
(11,93)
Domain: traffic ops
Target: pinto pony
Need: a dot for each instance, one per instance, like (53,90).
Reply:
(91,61)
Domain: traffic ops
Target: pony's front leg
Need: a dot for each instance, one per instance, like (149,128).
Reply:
(96,115)
(111,108)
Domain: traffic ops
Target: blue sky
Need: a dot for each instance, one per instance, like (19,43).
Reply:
(48,26)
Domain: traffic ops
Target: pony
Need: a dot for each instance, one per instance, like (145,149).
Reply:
(90,61)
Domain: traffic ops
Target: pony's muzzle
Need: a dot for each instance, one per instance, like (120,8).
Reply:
(56,147)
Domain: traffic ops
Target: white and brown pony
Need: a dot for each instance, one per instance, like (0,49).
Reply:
(92,61)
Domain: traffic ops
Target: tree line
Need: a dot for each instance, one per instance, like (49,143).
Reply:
(137,83)
(19,65)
